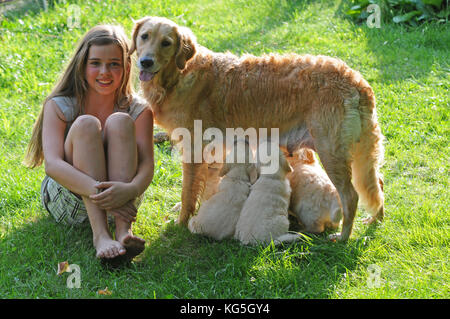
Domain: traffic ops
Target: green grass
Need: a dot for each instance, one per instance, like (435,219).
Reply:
(409,71)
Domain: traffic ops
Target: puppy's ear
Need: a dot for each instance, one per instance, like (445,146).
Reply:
(137,26)
(306,155)
(252,173)
(224,170)
(186,47)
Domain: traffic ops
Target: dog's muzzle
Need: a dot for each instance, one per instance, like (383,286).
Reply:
(145,64)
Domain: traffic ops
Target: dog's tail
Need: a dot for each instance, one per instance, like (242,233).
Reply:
(368,155)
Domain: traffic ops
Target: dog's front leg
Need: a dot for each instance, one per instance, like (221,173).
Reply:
(194,179)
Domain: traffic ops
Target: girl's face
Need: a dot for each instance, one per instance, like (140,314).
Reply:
(104,68)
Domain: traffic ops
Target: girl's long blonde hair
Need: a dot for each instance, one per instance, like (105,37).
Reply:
(73,82)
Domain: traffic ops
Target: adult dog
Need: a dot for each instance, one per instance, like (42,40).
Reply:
(315,101)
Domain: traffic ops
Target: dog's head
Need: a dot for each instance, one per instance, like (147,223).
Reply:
(159,42)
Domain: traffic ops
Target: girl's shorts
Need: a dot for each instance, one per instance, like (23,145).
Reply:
(66,207)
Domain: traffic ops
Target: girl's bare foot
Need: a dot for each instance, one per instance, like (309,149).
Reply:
(108,248)
(133,245)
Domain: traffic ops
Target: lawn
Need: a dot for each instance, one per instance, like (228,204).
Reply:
(406,256)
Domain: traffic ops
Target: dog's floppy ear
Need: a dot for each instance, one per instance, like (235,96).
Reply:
(186,46)
(137,26)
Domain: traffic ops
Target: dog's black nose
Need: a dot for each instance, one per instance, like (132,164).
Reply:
(147,62)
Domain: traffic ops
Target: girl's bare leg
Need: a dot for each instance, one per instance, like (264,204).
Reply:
(120,138)
(84,150)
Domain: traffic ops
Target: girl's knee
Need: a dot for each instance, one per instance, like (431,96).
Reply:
(86,125)
(119,123)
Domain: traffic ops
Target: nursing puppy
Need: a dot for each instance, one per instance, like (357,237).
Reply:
(314,199)
(217,216)
(264,216)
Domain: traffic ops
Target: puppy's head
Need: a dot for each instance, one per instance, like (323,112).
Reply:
(306,156)
(158,42)
(241,156)
(272,160)
(303,156)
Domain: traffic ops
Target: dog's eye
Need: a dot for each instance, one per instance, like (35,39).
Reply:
(144,36)
(165,43)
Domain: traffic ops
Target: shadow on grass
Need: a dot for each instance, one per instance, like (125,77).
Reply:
(31,253)
(175,264)
(192,266)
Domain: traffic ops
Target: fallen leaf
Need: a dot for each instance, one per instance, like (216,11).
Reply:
(105,292)
(63,267)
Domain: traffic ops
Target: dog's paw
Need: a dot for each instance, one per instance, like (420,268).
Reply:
(335,237)
(368,220)
(338,237)
(371,220)
(176,207)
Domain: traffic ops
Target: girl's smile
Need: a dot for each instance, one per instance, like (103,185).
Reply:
(104,83)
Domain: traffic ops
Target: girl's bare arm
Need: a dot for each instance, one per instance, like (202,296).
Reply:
(56,167)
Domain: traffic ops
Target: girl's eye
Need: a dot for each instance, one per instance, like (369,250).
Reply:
(95,63)
(165,43)
(115,64)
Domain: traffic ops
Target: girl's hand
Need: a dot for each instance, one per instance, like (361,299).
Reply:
(127,212)
(115,195)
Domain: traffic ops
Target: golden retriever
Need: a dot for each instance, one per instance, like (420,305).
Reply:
(314,199)
(314,101)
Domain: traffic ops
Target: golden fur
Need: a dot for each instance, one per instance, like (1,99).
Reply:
(315,101)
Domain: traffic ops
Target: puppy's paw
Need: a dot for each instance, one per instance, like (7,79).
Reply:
(191,226)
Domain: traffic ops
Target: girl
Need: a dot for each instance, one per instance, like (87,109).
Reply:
(95,137)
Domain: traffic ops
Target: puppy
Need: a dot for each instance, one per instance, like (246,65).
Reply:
(314,199)
(264,216)
(217,216)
